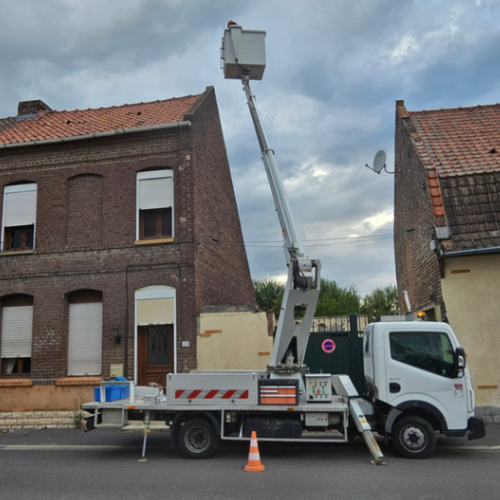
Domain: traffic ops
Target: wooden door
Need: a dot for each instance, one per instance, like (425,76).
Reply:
(156,353)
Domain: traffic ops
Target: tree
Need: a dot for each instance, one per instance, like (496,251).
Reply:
(335,300)
(380,302)
(269,294)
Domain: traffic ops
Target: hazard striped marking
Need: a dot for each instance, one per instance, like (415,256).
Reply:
(211,394)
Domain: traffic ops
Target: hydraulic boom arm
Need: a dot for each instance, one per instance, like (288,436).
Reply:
(302,287)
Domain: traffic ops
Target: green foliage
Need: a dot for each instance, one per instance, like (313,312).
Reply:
(381,302)
(269,294)
(335,300)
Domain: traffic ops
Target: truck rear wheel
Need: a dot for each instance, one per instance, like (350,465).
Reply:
(414,437)
(197,439)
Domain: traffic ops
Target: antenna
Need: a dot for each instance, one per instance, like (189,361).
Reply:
(379,163)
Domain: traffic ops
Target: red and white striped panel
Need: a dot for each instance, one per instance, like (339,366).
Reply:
(208,394)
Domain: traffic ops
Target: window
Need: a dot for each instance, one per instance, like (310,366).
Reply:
(429,351)
(16,335)
(154,204)
(85,333)
(19,216)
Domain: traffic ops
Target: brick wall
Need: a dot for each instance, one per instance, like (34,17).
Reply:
(86,232)
(417,268)
(222,272)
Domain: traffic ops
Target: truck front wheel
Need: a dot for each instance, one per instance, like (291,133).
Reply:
(414,437)
(197,439)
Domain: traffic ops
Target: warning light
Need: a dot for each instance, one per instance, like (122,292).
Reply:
(421,315)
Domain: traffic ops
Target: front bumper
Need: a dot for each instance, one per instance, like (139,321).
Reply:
(476,428)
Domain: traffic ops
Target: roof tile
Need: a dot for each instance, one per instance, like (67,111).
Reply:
(62,124)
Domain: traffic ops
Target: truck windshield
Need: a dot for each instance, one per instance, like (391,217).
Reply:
(430,351)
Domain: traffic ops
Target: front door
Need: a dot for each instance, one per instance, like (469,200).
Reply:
(156,353)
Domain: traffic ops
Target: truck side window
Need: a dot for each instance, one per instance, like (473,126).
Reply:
(429,351)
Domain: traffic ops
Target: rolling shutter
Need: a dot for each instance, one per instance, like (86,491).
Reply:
(155,312)
(17,328)
(85,339)
(19,205)
(155,190)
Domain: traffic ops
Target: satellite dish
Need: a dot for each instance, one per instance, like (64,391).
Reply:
(379,161)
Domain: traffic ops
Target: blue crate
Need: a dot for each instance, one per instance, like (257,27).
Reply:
(113,392)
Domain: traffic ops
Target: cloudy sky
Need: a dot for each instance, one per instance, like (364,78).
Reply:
(334,71)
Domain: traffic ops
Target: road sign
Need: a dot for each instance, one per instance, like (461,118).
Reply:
(328,346)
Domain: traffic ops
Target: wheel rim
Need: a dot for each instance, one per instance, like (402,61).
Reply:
(197,440)
(413,438)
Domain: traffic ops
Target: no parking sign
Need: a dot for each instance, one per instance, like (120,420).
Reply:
(328,346)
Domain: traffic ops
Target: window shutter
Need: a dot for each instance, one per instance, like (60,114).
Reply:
(155,192)
(155,311)
(19,205)
(17,328)
(85,339)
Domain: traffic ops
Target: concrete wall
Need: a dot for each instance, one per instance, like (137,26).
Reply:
(471,293)
(234,341)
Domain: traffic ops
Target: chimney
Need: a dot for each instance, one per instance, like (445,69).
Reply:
(31,107)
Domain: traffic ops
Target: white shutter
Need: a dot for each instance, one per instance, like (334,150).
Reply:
(17,328)
(19,205)
(155,312)
(85,339)
(155,190)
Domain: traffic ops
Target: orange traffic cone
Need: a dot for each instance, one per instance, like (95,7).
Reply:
(254,464)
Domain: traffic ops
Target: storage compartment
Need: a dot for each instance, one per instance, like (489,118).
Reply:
(269,427)
(278,392)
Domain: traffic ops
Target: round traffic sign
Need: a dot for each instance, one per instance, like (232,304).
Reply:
(328,346)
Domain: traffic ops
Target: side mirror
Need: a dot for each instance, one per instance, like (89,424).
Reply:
(460,362)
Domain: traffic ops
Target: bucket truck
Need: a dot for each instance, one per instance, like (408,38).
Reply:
(415,371)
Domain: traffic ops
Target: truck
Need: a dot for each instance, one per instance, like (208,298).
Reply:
(416,376)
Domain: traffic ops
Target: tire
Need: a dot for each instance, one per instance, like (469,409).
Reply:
(414,437)
(197,439)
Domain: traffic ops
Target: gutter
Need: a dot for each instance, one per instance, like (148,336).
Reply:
(472,251)
(108,133)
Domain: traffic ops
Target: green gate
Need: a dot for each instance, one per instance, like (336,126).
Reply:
(347,358)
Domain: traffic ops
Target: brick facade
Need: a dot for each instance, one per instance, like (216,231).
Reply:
(86,235)
(417,267)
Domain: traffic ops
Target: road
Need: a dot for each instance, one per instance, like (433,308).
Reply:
(69,464)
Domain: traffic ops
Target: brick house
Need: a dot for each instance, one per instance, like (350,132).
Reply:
(118,226)
(447,227)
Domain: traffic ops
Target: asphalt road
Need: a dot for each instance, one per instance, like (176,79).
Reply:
(70,464)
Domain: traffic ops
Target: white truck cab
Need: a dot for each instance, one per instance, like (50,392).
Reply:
(418,384)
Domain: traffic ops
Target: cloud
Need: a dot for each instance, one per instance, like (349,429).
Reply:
(334,71)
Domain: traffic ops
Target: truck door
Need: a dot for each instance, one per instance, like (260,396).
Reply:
(421,367)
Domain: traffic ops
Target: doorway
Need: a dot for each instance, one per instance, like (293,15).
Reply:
(155,353)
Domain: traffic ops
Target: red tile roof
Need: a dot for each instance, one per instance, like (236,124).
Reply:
(460,141)
(61,124)
(460,152)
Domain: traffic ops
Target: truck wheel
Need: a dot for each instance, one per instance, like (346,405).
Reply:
(414,437)
(197,439)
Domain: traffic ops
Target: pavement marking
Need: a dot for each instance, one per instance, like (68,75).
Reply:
(63,447)
(472,448)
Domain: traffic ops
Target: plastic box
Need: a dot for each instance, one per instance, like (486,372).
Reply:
(112,392)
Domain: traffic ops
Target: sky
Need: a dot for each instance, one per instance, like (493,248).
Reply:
(334,71)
